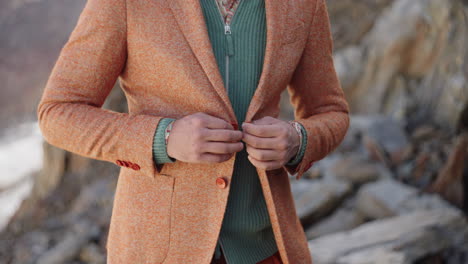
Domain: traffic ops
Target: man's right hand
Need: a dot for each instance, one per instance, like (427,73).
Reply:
(201,138)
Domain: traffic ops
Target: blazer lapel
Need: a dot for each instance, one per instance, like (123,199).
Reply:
(276,14)
(189,16)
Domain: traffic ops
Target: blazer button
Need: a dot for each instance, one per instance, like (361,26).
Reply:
(119,162)
(125,163)
(135,166)
(221,182)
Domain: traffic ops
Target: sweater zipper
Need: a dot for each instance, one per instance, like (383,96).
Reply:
(229,43)
(229,52)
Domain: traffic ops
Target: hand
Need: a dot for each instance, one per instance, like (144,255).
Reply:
(201,138)
(270,142)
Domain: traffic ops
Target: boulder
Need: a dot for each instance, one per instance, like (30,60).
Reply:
(400,239)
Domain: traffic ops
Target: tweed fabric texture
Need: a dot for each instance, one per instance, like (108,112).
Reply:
(246,233)
(161,54)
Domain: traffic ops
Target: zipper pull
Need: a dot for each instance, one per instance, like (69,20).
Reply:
(229,43)
(227,29)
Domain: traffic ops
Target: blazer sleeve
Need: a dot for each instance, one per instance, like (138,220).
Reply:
(69,112)
(316,94)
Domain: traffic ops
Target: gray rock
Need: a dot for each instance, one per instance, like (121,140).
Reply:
(69,247)
(396,44)
(316,198)
(343,219)
(355,169)
(368,134)
(400,239)
(348,65)
(92,254)
(388,197)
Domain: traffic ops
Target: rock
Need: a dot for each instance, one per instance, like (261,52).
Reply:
(52,170)
(403,57)
(343,219)
(30,246)
(348,66)
(379,137)
(400,239)
(361,13)
(378,255)
(390,136)
(408,38)
(355,169)
(316,198)
(389,197)
(92,254)
(69,247)
(96,197)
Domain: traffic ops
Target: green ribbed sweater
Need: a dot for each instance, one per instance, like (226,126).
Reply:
(246,234)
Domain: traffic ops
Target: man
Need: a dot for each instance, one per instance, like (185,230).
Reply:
(204,157)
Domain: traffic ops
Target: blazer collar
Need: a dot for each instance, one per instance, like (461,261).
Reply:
(189,16)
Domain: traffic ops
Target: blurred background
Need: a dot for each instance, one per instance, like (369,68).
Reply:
(395,190)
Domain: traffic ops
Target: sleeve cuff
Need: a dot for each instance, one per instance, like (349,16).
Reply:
(159,145)
(300,153)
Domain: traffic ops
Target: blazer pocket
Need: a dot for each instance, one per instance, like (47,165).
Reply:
(160,214)
(141,221)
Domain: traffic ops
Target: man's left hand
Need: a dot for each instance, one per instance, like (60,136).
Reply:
(270,142)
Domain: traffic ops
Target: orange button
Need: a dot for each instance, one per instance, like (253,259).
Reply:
(221,182)
(135,166)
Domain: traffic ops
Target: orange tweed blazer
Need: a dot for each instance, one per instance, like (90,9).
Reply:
(161,53)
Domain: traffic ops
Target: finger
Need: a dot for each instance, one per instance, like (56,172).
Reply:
(266,165)
(222,147)
(266,120)
(225,135)
(264,154)
(213,122)
(214,158)
(259,142)
(263,130)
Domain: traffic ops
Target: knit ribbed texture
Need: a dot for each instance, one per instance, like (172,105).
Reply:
(159,143)
(246,234)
